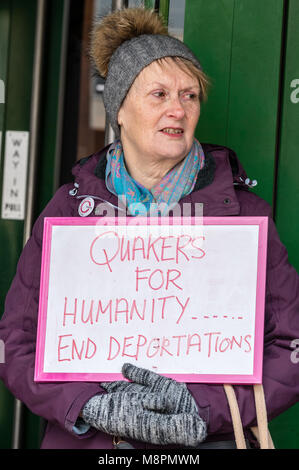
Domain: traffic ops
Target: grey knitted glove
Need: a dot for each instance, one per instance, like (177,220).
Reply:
(146,380)
(145,417)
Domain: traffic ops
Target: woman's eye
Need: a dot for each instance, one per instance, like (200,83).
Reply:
(159,94)
(185,96)
(191,96)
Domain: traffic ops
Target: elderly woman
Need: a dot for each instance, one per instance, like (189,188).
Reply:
(153,93)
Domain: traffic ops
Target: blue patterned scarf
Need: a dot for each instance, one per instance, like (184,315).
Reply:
(177,183)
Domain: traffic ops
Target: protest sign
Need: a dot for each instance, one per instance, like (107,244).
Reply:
(184,300)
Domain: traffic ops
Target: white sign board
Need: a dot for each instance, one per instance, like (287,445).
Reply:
(186,301)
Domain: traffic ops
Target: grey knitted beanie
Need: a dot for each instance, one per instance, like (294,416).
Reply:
(136,52)
(128,61)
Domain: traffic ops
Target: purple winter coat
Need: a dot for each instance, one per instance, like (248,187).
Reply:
(223,193)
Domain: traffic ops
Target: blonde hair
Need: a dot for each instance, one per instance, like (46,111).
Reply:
(188,67)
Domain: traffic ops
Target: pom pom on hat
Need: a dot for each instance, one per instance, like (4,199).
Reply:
(120,26)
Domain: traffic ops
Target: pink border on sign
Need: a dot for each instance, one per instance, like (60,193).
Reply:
(50,222)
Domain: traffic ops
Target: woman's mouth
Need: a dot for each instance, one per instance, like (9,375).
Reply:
(173,131)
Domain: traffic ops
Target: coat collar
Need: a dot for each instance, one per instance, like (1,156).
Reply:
(216,190)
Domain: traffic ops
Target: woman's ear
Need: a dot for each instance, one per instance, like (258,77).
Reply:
(119,116)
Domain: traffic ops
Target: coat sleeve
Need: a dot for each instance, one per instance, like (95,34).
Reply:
(280,370)
(59,403)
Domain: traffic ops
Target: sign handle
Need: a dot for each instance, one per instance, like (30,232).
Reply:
(261,431)
(235,414)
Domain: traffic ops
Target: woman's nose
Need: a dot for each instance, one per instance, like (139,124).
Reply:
(175,108)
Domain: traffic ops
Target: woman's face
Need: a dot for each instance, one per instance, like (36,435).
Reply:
(159,115)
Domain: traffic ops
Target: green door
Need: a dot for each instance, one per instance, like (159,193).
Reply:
(17,33)
(285,427)
(6,400)
(249,49)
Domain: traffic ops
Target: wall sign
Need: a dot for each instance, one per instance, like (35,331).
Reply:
(186,301)
(295,93)
(0,144)
(2,352)
(15,174)
(2,92)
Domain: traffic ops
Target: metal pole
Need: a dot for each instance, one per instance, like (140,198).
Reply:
(35,117)
(119,4)
(60,108)
(18,420)
(109,133)
(33,153)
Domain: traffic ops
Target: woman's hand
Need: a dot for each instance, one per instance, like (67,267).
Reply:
(144,416)
(145,380)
